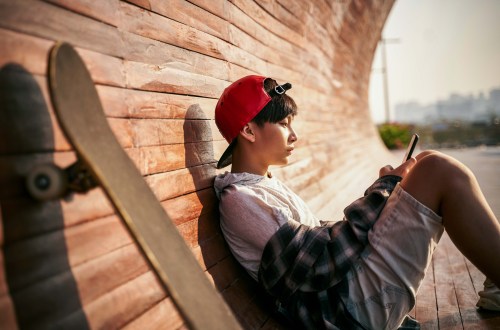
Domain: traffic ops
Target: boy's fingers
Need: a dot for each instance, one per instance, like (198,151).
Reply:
(384,170)
(404,168)
(410,162)
(401,170)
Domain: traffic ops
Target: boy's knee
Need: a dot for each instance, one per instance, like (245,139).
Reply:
(444,166)
(426,153)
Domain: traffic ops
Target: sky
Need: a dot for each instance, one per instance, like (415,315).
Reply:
(438,47)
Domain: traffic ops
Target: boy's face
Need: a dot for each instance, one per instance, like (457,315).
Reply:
(274,141)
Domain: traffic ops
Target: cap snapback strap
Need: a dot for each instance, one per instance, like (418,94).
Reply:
(280,89)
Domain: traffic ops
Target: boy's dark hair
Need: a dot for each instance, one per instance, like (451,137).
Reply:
(277,109)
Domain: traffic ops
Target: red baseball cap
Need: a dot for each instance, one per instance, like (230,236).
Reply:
(238,105)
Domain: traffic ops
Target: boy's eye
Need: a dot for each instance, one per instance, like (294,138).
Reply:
(284,123)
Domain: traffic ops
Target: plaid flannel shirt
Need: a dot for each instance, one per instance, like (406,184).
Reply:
(304,267)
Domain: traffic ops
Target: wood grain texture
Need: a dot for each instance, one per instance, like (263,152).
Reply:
(159,68)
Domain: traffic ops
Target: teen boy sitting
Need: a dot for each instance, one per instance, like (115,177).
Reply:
(362,272)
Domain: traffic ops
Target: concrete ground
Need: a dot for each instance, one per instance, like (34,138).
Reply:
(485,163)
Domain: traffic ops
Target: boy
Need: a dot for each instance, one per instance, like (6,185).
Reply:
(362,272)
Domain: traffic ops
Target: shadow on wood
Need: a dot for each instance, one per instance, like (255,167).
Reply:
(38,274)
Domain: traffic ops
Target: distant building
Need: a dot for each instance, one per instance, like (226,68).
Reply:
(457,107)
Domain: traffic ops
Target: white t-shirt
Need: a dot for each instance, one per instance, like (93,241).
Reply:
(252,208)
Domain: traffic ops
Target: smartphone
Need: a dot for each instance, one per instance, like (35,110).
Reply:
(411,147)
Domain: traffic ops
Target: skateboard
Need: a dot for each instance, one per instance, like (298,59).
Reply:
(102,161)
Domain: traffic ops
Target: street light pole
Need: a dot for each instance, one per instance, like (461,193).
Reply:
(384,41)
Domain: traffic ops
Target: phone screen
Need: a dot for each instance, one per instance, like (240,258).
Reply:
(411,147)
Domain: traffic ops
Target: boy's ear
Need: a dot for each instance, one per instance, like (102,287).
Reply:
(248,133)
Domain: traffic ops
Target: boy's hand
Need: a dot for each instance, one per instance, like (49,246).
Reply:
(401,170)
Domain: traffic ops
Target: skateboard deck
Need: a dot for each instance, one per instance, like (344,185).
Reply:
(81,117)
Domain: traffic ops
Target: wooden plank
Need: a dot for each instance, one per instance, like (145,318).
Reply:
(466,294)
(192,206)
(477,277)
(241,295)
(124,103)
(145,50)
(25,218)
(102,274)
(145,291)
(30,53)
(194,16)
(247,16)
(313,30)
(296,8)
(161,316)
(104,69)
(26,51)
(240,19)
(426,307)
(157,27)
(85,274)
(55,23)
(141,3)
(164,158)
(225,273)
(175,183)
(283,15)
(242,40)
(195,210)
(191,15)
(154,26)
(210,252)
(199,230)
(157,132)
(275,26)
(447,304)
(53,302)
(104,11)
(130,133)
(94,204)
(34,259)
(329,15)
(94,279)
(170,80)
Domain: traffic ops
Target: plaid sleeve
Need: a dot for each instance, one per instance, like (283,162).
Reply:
(309,259)
(363,212)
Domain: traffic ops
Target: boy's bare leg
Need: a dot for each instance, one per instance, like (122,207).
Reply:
(451,190)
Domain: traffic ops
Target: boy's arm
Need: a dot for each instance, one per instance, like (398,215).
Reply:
(384,184)
(362,213)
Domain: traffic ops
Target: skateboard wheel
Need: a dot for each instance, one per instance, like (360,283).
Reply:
(46,182)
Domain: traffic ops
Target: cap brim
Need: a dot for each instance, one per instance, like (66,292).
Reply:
(227,157)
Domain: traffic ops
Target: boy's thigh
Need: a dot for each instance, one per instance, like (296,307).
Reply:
(405,236)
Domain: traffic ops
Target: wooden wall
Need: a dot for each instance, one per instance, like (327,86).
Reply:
(159,67)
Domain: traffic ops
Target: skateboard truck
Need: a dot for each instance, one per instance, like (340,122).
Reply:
(49,181)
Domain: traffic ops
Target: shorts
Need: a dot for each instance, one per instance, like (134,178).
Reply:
(383,285)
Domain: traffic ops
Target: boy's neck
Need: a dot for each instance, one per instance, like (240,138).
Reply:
(242,163)
(247,168)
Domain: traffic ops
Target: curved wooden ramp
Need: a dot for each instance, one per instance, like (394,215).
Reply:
(159,69)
